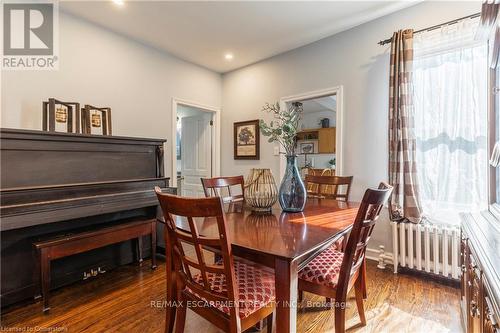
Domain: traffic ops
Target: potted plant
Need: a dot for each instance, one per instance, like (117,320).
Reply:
(283,129)
(324,122)
(332,163)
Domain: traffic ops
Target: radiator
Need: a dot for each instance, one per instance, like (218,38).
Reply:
(427,247)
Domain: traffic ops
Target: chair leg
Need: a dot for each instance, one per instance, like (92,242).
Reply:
(301,295)
(269,323)
(170,319)
(363,278)
(339,319)
(358,291)
(180,319)
(171,310)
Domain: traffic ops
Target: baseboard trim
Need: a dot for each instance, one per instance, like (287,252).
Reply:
(430,276)
(374,254)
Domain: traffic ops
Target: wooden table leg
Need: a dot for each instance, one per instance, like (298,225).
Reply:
(286,295)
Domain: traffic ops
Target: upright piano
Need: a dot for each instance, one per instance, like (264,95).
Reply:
(53,183)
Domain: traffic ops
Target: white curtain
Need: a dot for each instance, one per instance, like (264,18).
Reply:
(450,90)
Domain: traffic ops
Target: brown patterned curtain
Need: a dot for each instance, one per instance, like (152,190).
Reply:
(405,202)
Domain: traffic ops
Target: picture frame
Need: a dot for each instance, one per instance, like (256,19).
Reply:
(247,140)
(59,116)
(307,147)
(96,120)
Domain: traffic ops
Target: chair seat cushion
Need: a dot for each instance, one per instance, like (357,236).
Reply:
(255,287)
(324,269)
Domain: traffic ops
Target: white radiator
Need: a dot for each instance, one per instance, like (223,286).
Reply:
(427,247)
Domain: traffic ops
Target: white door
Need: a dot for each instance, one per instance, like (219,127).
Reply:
(196,153)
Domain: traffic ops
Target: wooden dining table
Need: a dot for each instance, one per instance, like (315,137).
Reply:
(285,242)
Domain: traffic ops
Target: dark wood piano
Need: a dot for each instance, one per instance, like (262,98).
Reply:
(56,183)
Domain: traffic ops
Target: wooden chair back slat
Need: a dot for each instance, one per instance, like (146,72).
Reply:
(335,181)
(213,187)
(355,251)
(174,207)
(209,242)
(313,188)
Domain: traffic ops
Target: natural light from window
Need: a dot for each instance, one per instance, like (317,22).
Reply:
(450,91)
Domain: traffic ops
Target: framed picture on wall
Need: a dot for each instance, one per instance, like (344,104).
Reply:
(247,140)
(58,116)
(96,121)
(307,146)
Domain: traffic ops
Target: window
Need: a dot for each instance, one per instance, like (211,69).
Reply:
(451,111)
(495,130)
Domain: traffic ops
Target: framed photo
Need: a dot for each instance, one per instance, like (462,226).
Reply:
(96,121)
(61,116)
(307,147)
(247,140)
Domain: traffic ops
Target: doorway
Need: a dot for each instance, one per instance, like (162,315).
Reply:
(320,137)
(195,154)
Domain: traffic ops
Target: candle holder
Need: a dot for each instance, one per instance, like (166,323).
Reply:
(260,190)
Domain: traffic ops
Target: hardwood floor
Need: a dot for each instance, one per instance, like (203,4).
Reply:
(129,299)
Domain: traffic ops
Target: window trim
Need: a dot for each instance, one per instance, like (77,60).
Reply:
(494,108)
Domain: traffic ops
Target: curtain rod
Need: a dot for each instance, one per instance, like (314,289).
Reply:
(388,40)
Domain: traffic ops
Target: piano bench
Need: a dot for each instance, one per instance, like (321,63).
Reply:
(63,246)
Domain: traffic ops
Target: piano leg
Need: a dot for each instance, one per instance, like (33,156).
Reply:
(45,277)
(153,244)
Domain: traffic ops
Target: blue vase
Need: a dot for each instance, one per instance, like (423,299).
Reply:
(292,194)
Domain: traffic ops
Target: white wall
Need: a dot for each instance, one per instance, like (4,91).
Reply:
(312,119)
(102,68)
(352,59)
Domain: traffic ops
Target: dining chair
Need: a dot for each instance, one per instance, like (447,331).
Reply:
(336,182)
(329,187)
(313,189)
(334,273)
(213,187)
(235,294)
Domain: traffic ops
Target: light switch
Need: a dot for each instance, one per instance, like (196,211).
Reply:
(276,150)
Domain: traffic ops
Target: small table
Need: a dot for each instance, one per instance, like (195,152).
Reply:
(283,241)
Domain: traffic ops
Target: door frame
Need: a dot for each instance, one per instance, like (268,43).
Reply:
(339,122)
(215,135)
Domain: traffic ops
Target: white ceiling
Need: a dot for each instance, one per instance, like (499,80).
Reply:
(202,32)
(328,103)
(187,111)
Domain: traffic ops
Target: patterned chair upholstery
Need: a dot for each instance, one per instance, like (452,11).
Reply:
(324,269)
(255,287)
